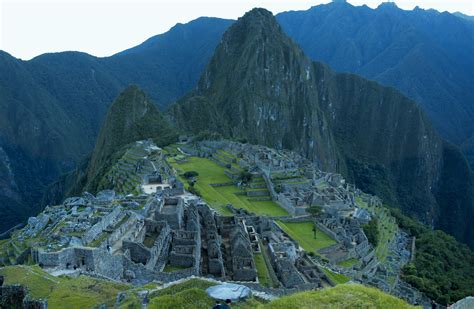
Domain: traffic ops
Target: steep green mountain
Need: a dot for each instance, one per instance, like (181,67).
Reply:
(427,55)
(53,105)
(130,118)
(35,143)
(255,87)
(260,86)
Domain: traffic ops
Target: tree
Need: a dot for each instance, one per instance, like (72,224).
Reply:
(190,174)
(245,176)
(315,210)
(371,230)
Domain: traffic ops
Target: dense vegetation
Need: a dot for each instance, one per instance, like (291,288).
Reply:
(443,268)
(371,230)
(371,178)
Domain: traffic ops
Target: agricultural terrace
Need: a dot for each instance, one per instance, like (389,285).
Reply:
(218,190)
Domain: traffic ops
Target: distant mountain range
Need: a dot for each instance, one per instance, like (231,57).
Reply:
(54,104)
(427,55)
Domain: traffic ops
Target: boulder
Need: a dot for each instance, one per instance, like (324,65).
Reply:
(105,196)
(88,196)
(74,202)
(36,224)
(465,303)
(234,292)
(75,241)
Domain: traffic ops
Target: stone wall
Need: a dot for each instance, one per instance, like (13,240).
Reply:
(138,252)
(257,193)
(327,231)
(107,265)
(95,260)
(224,184)
(140,274)
(172,212)
(231,175)
(124,228)
(100,226)
(12,296)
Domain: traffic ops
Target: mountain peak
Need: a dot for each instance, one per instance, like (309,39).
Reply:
(258,74)
(131,117)
(257,14)
(130,106)
(387,5)
(254,25)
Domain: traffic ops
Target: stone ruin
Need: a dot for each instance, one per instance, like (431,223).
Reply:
(16,296)
(137,238)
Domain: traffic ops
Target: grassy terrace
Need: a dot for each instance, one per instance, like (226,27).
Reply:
(63,292)
(335,277)
(219,197)
(302,232)
(387,227)
(348,263)
(262,270)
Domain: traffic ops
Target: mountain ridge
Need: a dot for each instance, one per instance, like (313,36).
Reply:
(66,81)
(259,86)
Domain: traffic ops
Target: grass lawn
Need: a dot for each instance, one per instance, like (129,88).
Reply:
(63,292)
(219,197)
(262,271)
(341,296)
(302,232)
(335,277)
(348,263)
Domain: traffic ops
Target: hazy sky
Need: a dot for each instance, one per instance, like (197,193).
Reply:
(104,27)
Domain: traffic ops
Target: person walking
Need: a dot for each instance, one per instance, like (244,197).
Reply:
(227,304)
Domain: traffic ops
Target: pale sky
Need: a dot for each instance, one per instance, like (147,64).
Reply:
(104,27)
